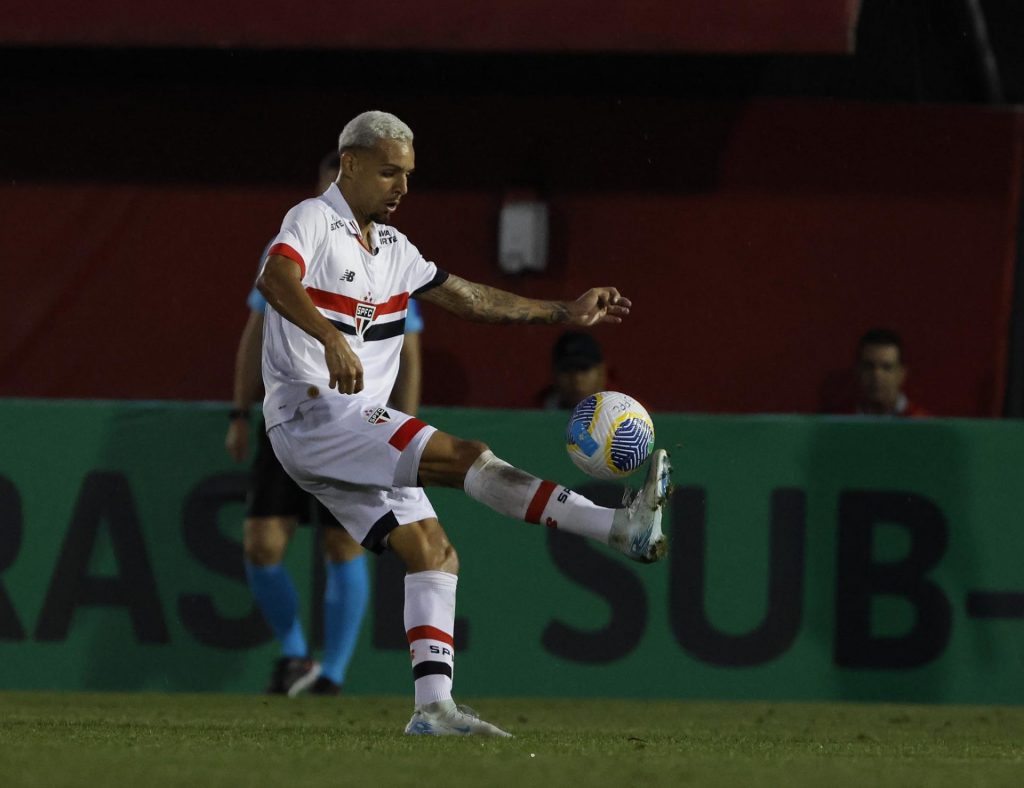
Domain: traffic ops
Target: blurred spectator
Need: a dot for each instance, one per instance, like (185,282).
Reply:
(578,370)
(881,373)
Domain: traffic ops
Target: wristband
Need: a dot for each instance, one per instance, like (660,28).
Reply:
(238,413)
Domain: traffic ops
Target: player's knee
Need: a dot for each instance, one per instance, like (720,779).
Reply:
(263,554)
(264,543)
(437,553)
(424,548)
(448,559)
(468,452)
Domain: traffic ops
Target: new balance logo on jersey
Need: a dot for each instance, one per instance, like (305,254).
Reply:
(377,416)
(348,276)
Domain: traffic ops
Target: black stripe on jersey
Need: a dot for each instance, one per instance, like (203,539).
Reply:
(431,669)
(439,279)
(374,540)
(375,332)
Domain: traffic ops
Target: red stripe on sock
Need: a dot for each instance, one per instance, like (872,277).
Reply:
(430,633)
(406,433)
(540,500)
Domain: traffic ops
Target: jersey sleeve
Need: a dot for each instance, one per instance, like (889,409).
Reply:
(303,233)
(421,275)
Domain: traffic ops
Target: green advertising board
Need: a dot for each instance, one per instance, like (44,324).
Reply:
(811,558)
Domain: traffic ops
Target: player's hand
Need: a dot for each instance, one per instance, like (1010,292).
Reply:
(237,440)
(598,305)
(345,367)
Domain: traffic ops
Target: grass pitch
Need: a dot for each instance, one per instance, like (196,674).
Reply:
(77,739)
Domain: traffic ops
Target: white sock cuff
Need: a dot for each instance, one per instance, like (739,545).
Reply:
(503,487)
(473,474)
(432,577)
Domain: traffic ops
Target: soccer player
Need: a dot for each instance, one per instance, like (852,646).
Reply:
(276,505)
(338,281)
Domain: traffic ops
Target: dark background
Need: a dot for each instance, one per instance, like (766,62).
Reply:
(766,207)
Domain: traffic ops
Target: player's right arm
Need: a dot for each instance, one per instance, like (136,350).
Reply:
(281,284)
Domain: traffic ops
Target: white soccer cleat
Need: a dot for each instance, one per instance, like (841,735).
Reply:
(444,718)
(636,528)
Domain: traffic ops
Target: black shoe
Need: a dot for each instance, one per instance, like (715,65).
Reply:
(292,675)
(324,686)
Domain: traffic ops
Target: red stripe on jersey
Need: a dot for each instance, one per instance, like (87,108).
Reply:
(430,633)
(346,305)
(286,251)
(540,500)
(394,304)
(406,433)
(336,302)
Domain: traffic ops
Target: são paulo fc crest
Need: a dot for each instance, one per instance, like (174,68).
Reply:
(377,416)
(364,316)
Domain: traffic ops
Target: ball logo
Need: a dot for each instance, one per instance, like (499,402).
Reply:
(583,439)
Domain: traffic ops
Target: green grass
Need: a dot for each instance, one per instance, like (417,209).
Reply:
(125,740)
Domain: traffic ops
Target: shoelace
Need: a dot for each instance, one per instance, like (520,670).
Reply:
(468,711)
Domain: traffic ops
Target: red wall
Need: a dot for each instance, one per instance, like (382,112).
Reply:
(756,240)
(520,25)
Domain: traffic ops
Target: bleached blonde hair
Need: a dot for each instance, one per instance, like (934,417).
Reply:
(367,129)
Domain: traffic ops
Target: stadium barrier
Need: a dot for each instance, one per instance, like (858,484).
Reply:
(811,558)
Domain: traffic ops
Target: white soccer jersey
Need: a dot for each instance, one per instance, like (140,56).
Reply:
(364,293)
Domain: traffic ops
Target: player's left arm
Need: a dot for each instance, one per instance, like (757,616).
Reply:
(485,304)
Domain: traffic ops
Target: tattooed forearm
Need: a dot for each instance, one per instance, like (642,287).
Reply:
(489,305)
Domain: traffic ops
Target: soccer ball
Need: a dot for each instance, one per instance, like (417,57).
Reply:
(610,435)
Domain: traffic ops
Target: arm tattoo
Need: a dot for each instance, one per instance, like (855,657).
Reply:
(485,304)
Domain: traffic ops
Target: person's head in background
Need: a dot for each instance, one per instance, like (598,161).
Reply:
(578,366)
(329,166)
(880,373)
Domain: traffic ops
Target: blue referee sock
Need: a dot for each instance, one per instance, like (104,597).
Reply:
(276,597)
(345,597)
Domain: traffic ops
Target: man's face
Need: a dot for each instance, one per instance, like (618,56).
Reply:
(880,374)
(578,384)
(376,179)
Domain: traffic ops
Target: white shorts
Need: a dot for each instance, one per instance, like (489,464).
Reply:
(360,461)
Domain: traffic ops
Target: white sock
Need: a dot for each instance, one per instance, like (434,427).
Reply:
(429,624)
(515,493)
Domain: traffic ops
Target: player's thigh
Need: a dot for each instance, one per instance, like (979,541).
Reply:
(265,539)
(339,546)
(423,546)
(350,441)
(370,514)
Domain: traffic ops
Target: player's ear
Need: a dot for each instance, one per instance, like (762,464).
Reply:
(349,164)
